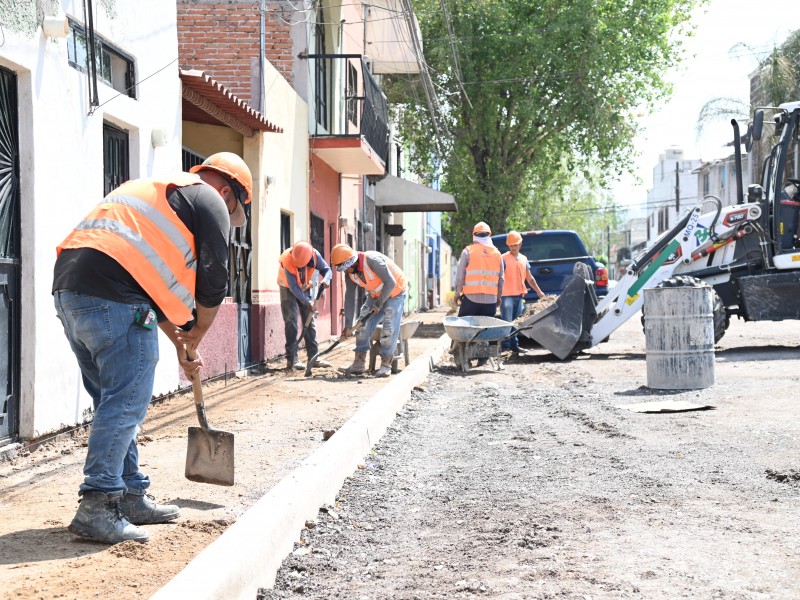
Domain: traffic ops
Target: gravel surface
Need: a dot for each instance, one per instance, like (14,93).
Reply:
(533,483)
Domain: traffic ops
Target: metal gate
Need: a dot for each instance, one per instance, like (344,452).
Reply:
(240,287)
(9,257)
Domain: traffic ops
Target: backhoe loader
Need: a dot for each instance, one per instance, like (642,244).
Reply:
(748,252)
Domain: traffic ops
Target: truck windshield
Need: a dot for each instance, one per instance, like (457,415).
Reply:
(551,246)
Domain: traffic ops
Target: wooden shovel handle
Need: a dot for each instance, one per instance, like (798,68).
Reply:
(197,390)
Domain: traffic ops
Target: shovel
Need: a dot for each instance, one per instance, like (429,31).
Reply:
(313,359)
(311,314)
(209,454)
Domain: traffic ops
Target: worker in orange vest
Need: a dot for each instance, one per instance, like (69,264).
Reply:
(297,293)
(479,275)
(153,253)
(385,285)
(517,274)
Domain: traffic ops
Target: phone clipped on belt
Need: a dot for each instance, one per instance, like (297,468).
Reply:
(145,318)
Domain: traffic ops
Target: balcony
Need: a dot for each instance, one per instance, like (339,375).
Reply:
(350,129)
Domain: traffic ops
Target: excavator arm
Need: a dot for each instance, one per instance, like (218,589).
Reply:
(577,321)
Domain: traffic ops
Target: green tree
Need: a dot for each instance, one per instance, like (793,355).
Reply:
(532,94)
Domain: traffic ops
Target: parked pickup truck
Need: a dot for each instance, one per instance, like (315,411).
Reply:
(552,255)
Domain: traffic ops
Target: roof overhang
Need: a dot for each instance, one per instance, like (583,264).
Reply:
(394,194)
(205,100)
(352,155)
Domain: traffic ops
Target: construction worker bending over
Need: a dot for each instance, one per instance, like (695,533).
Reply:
(479,275)
(517,272)
(154,251)
(297,266)
(385,284)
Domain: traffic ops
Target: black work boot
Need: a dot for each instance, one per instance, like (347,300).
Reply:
(100,519)
(141,509)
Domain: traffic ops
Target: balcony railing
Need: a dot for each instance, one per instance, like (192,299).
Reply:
(348,101)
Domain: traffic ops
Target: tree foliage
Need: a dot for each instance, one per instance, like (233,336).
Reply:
(533,95)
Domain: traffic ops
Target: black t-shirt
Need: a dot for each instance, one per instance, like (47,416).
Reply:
(201,209)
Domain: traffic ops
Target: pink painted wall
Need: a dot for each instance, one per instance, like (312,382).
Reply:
(220,346)
(324,203)
(266,324)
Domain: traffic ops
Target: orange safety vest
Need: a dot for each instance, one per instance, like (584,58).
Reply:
(136,226)
(514,278)
(483,271)
(374,284)
(286,263)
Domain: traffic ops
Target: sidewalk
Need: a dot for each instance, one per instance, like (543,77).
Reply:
(229,541)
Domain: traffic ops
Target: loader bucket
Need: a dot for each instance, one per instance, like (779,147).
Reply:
(565,327)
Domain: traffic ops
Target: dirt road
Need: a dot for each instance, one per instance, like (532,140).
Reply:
(278,419)
(533,483)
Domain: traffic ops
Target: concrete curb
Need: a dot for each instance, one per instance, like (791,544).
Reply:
(249,553)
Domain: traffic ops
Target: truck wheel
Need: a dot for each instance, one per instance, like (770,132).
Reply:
(720,315)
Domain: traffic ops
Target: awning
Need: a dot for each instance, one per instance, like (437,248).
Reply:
(205,100)
(394,194)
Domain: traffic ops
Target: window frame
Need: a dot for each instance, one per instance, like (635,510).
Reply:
(105,53)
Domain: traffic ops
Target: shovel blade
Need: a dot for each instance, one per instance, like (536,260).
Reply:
(209,456)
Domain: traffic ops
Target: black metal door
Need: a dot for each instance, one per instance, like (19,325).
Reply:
(115,158)
(9,257)
(240,284)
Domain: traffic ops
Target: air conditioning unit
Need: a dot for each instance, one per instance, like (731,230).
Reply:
(393,229)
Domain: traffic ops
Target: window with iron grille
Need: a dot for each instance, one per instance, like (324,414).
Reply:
(318,234)
(115,158)
(113,66)
(286,231)
(239,262)
(190,159)
(352,93)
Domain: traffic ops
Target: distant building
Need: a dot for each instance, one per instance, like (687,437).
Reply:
(675,189)
(718,178)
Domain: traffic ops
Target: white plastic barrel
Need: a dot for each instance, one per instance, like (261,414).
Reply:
(679,337)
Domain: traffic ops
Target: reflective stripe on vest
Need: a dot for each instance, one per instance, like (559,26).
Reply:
(374,284)
(286,263)
(514,277)
(136,226)
(483,271)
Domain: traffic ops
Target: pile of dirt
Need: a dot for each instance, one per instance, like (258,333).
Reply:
(536,307)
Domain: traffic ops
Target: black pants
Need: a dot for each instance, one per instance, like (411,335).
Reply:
(469,308)
(290,306)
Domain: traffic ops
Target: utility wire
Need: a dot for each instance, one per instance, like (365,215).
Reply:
(453,51)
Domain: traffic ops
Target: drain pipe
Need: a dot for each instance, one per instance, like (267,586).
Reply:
(262,56)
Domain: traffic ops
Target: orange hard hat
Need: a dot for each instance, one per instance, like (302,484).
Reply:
(230,166)
(342,255)
(481,227)
(513,238)
(301,254)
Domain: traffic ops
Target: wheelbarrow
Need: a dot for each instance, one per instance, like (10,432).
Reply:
(477,338)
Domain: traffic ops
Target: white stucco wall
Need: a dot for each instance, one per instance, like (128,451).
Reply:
(284,176)
(62,178)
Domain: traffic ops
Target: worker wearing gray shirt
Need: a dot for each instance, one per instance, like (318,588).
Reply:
(479,275)
(385,285)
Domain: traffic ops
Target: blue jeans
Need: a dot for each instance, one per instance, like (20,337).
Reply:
(511,307)
(389,316)
(118,361)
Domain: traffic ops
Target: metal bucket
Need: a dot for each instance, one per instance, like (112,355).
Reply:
(679,337)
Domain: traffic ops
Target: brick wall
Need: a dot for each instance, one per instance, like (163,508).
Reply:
(222,40)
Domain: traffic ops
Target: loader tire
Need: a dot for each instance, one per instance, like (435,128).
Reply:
(720,315)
